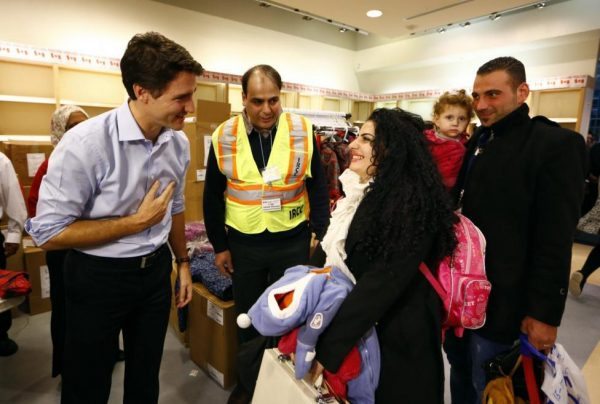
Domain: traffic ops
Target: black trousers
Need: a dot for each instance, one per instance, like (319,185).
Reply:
(5,317)
(55,261)
(591,263)
(258,266)
(103,297)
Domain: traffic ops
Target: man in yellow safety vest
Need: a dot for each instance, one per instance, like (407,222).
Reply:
(265,191)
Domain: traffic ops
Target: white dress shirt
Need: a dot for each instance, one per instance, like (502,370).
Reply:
(11,201)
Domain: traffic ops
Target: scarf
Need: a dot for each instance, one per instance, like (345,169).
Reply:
(333,243)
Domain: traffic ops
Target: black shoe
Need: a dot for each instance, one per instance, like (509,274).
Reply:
(120,355)
(239,395)
(8,347)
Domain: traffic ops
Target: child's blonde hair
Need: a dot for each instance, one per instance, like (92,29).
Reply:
(458,98)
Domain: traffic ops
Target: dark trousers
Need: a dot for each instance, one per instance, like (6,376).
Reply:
(55,261)
(5,317)
(258,266)
(591,263)
(104,296)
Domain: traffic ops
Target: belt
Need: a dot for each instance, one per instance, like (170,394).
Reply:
(141,262)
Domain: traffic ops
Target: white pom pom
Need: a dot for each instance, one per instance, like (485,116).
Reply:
(243,321)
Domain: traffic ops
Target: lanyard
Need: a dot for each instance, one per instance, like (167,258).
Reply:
(262,153)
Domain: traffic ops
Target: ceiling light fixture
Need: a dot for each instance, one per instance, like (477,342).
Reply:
(342,30)
(495,16)
(441,30)
(308,16)
(465,24)
(541,5)
(374,13)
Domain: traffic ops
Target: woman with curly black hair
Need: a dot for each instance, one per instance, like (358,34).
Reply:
(396,214)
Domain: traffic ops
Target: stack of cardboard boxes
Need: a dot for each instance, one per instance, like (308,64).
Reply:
(211,328)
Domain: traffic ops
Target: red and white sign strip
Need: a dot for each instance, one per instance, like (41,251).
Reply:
(72,59)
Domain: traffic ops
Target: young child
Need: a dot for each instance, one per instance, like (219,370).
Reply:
(452,113)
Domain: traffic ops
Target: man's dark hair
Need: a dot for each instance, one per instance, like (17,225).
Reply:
(152,60)
(513,67)
(267,70)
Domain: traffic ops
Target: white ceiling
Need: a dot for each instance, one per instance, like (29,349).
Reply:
(400,18)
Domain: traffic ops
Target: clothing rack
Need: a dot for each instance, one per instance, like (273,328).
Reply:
(332,119)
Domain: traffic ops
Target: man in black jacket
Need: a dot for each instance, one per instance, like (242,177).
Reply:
(522,184)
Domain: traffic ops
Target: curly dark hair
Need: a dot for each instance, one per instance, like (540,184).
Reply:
(406,200)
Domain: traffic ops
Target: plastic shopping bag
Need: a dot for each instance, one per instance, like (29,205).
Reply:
(563,381)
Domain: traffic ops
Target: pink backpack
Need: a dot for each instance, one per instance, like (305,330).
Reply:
(461,281)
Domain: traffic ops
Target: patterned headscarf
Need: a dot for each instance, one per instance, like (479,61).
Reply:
(60,117)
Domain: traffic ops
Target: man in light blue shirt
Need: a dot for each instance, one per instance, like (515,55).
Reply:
(114,195)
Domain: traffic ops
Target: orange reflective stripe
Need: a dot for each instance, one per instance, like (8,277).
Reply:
(254,195)
(298,148)
(292,159)
(234,130)
(241,201)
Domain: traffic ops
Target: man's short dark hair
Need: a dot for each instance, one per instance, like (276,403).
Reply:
(513,67)
(152,60)
(267,70)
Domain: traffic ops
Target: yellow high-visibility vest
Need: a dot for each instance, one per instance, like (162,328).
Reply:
(246,190)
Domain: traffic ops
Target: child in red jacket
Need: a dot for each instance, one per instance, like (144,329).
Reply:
(452,113)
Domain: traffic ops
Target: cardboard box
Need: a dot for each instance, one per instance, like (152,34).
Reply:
(36,267)
(194,193)
(26,157)
(210,115)
(183,337)
(213,335)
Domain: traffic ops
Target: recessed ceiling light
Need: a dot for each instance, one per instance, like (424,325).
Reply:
(374,13)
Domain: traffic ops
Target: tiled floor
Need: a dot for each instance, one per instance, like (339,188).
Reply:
(25,377)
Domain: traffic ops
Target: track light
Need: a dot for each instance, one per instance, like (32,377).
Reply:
(465,24)
(441,30)
(495,16)
(541,5)
(306,16)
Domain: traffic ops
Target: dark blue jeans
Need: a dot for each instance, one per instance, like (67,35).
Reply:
(467,356)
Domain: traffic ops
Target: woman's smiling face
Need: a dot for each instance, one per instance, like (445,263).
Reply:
(362,152)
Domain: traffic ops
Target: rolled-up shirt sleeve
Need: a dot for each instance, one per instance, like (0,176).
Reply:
(66,189)
(179,194)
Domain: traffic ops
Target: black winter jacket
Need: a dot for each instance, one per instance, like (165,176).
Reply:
(524,192)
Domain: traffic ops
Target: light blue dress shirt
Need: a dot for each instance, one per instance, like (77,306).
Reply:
(102,169)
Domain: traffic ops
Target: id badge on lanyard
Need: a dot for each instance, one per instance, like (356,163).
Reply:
(271,202)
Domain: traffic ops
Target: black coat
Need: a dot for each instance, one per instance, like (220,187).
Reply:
(524,192)
(397,298)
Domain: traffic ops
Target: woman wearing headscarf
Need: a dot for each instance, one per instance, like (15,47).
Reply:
(396,214)
(63,119)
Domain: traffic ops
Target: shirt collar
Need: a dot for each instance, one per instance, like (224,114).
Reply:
(129,130)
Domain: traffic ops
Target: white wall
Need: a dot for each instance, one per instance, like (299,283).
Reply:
(103,27)
(559,40)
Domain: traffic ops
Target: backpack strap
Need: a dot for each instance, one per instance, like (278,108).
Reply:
(434,282)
